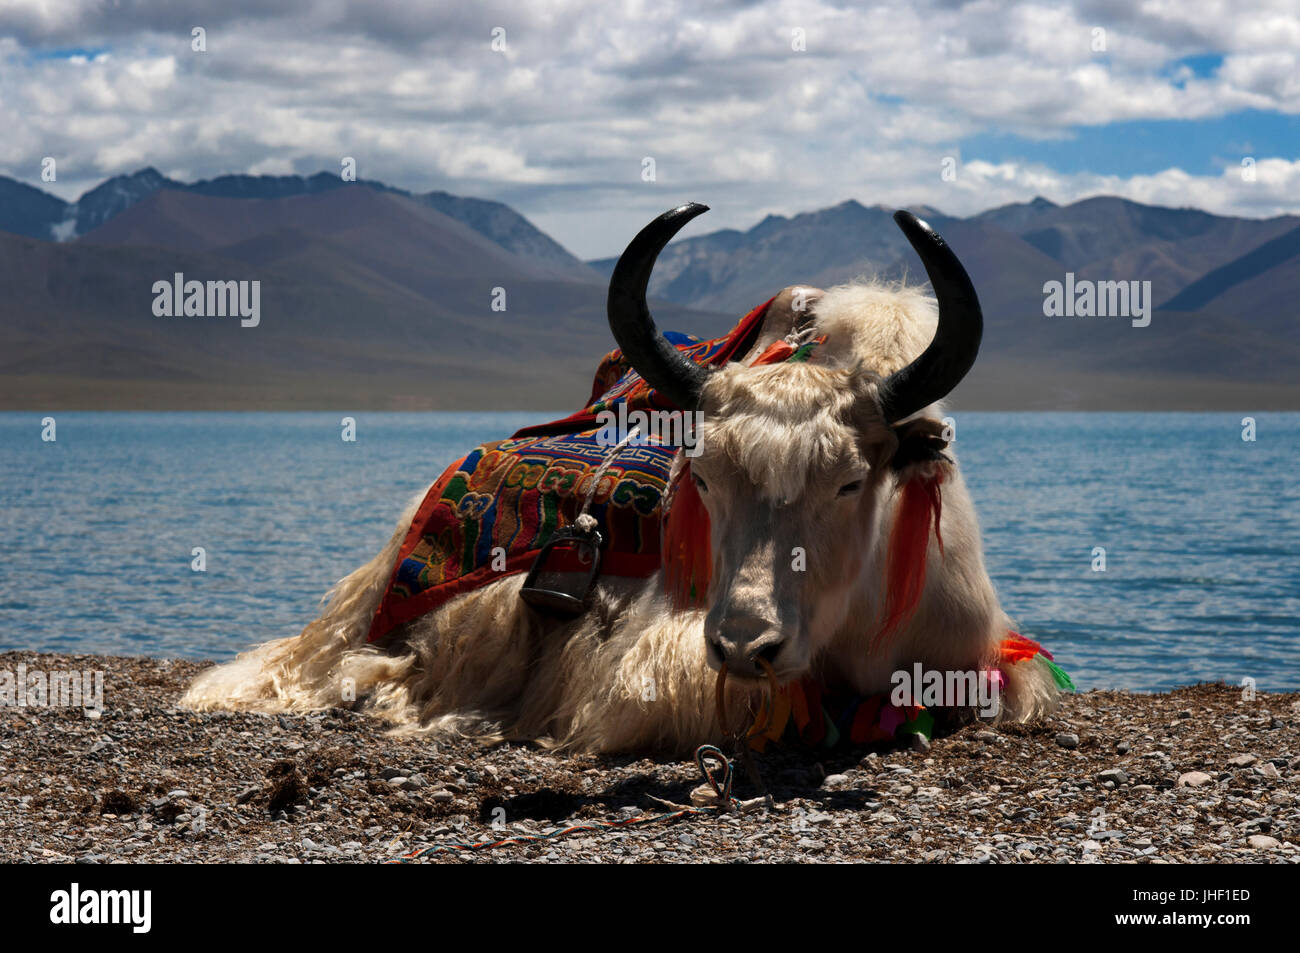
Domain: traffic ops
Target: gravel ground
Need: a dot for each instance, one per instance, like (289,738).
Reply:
(1194,775)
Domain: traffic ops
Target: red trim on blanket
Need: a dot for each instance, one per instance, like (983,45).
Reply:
(386,616)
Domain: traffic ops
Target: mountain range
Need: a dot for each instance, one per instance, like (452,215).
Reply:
(375,297)
(1224,290)
(25,210)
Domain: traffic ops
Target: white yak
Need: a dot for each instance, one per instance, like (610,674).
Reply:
(805,457)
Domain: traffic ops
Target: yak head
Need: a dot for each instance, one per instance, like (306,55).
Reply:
(797,459)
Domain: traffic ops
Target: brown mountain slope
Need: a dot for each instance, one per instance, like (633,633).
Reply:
(367,300)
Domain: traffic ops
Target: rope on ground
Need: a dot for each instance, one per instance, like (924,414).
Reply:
(703,756)
(742,736)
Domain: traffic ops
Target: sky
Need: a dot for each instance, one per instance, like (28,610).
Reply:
(754,108)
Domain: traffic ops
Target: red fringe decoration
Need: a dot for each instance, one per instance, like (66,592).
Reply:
(687,551)
(921,507)
(776,352)
(1016,648)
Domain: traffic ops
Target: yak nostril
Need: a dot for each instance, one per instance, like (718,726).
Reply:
(769,652)
(714,652)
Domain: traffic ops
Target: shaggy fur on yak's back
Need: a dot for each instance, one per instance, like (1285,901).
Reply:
(631,674)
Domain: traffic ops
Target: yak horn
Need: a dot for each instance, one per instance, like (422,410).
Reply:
(666,369)
(956,340)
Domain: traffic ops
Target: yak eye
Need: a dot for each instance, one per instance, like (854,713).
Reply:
(849,489)
(699,482)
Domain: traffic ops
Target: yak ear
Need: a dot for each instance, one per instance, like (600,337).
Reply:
(790,310)
(921,440)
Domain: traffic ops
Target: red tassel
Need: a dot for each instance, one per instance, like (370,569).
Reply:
(687,550)
(1016,648)
(776,352)
(921,507)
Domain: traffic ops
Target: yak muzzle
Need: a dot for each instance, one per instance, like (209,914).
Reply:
(744,641)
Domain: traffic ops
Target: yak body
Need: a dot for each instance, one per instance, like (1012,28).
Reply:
(635,673)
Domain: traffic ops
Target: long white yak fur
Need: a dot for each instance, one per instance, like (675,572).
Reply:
(631,674)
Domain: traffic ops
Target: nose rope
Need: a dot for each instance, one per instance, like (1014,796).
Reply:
(705,754)
(720,696)
(720,699)
(742,739)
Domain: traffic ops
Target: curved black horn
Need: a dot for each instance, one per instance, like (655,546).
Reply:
(957,339)
(664,368)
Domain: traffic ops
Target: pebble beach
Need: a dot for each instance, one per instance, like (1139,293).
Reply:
(1199,774)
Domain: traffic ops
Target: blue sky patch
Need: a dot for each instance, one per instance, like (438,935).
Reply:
(1200,147)
(67,53)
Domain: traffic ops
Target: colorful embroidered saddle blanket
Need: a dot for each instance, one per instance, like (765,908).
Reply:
(490,513)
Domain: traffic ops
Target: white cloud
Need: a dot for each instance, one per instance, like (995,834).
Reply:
(1272,191)
(558,124)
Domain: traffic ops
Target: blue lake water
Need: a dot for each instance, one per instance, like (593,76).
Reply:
(1201,530)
